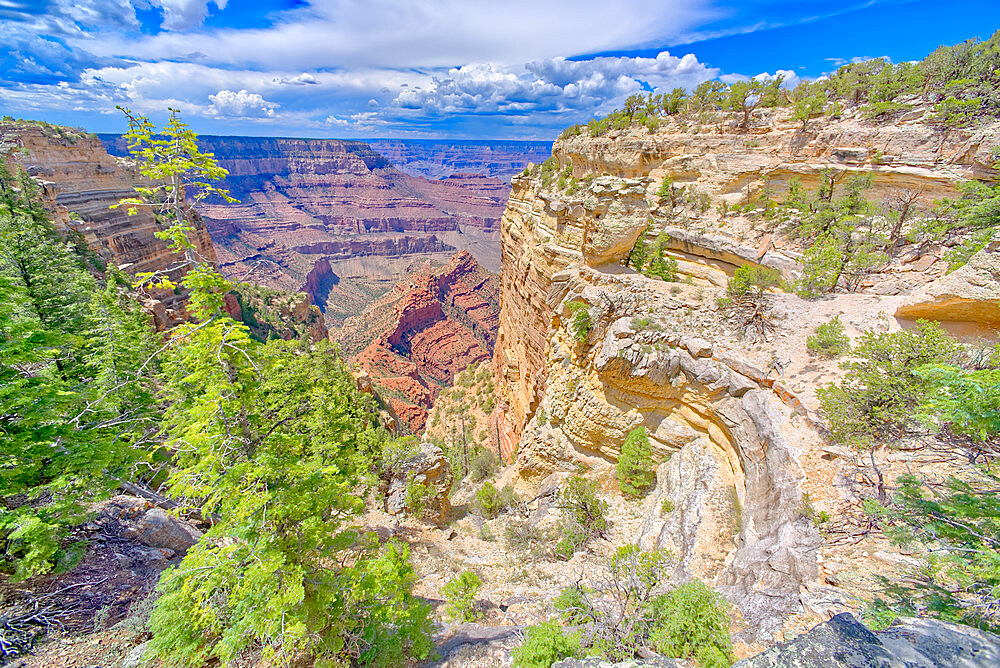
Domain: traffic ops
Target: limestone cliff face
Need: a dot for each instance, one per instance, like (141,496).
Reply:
(733,423)
(80,182)
(413,341)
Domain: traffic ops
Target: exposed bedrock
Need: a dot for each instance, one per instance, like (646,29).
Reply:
(414,340)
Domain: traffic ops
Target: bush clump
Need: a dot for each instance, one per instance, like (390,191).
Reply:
(830,339)
(584,516)
(460,594)
(491,502)
(635,469)
(546,643)
(581,323)
(692,622)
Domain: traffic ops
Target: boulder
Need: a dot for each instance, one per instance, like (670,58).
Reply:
(844,642)
(429,467)
(971,293)
(159,529)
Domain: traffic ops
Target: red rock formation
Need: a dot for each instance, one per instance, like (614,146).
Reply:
(428,330)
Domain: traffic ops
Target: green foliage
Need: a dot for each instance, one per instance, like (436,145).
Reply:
(754,280)
(877,399)
(546,643)
(845,244)
(807,105)
(963,402)
(661,265)
(584,515)
(970,221)
(639,254)
(624,616)
(419,498)
(580,323)
(76,390)
(830,339)
(491,502)
(635,468)
(958,522)
(691,622)
(460,595)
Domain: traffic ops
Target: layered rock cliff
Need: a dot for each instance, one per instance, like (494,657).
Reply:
(439,159)
(306,203)
(415,339)
(80,182)
(733,422)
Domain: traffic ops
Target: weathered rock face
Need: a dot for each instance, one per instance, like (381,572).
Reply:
(968,294)
(843,642)
(731,422)
(80,182)
(308,203)
(428,467)
(414,340)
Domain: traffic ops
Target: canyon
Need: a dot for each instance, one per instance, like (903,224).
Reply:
(339,221)
(413,341)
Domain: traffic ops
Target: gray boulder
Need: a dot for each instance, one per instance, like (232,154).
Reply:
(844,642)
(159,529)
(429,467)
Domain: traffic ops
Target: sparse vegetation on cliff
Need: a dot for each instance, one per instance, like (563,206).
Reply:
(961,82)
(635,468)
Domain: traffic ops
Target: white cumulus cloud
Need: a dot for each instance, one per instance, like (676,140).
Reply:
(240,104)
(554,84)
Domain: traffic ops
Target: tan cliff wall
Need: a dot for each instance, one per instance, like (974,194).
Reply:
(733,423)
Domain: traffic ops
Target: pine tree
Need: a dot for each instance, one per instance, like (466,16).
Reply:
(74,408)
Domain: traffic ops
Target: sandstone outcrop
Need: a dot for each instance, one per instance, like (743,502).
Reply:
(969,294)
(308,203)
(732,422)
(428,467)
(80,182)
(414,340)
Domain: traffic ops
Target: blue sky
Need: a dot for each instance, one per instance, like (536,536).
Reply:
(519,69)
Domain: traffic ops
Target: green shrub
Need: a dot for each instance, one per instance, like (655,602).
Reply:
(491,502)
(692,622)
(526,539)
(639,254)
(581,322)
(482,465)
(546,643)
(830,340)
(460,595)
(636,469)
(419,499)
(752,279)
(661,265)
(584,516)
(877,399)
